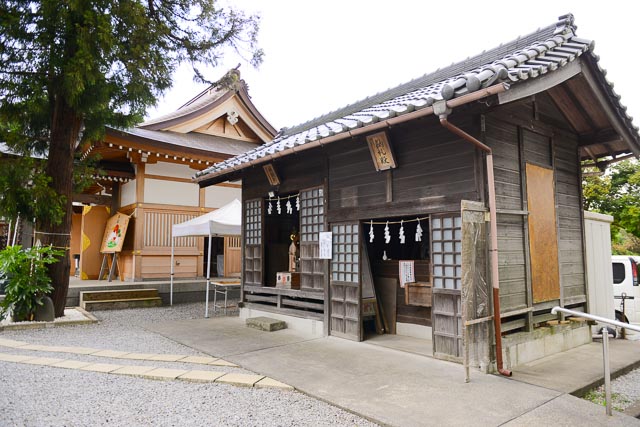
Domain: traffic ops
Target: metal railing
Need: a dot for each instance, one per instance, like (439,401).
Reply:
(605,345)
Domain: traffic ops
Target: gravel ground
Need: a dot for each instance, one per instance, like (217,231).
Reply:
(625,391)
(46,396)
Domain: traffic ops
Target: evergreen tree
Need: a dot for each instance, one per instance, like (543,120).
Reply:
(71,67)
(616,193)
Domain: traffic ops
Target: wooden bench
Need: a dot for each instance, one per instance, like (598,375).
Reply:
(119,299)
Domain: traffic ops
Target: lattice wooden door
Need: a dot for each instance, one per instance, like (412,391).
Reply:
(446,255)
(345,289)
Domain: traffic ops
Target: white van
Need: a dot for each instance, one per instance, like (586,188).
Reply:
(625,281)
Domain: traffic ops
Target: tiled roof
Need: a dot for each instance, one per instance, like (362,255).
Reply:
(525,58)
(196,141)
(203,99)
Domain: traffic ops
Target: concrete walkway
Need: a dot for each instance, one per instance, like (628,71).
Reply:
(386,385)
(578,370)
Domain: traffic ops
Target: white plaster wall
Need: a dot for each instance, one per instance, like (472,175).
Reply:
(169,169)
(128,193)
(597,230)
(216,197)
(170,192)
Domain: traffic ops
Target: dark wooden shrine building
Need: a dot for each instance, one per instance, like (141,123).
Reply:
(413,184)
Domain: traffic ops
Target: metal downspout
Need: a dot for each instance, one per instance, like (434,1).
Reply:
(493,250)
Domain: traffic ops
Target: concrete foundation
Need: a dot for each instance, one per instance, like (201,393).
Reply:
(414,331)
(523,347)
(183,290)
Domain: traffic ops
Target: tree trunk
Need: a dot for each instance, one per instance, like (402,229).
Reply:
(65,131)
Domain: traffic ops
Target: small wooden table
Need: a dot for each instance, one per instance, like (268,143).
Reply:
(223,287)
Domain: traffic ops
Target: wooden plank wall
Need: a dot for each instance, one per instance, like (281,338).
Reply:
(436,170)
(502,137)
(545,141)
(296,172)
(570,224)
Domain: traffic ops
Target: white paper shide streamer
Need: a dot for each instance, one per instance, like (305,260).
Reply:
(418,232)
(371,235)
(298,203)
(278,206)
(401,232)
(289,208)
(387,235)
(269,208)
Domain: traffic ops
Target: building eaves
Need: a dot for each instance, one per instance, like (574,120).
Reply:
(208,144)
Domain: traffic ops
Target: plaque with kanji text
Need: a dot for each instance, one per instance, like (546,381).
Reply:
(381,151)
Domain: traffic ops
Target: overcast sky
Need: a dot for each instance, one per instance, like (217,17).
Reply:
(323,55)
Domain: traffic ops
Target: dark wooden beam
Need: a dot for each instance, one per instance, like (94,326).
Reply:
(603,136)
(423,206)
(570,109)
(541,84)
(614,118)
(96,199)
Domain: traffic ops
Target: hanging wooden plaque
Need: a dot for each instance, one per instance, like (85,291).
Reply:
(272,176)
(381,153)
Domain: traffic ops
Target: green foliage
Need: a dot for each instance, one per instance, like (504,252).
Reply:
(102,63)
(69,68)
(107,60)
(616,193)
(623,243)
(28,282)
(25,191)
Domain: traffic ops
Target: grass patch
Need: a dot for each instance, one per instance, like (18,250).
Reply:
(619,402)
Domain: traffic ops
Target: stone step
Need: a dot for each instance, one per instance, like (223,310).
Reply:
(119,299)
(117,294)
(119,304)
(266,324)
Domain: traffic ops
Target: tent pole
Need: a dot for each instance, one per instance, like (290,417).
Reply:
(206,307)
(173,243)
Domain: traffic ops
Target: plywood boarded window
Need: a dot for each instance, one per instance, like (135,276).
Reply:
(543,234)
(312,269)
(446,244)
(253,242)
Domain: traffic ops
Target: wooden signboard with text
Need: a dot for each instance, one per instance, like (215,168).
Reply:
(381,151)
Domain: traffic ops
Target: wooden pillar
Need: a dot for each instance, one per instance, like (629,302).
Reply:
(200,261)
(476,292)
(115,198)
(139,221)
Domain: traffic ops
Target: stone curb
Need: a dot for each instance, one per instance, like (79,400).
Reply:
(633,410)
(150,372)
(114,354)
(89,319)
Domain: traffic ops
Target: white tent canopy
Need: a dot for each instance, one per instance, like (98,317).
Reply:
(221,222)
(225,221)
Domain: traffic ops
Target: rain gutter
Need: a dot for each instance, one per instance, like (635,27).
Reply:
(426,111)
(443,109)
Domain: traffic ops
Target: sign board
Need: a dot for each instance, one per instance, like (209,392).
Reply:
(114,233)
(381,153)
(407,272)
(272,175)
(325,244)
